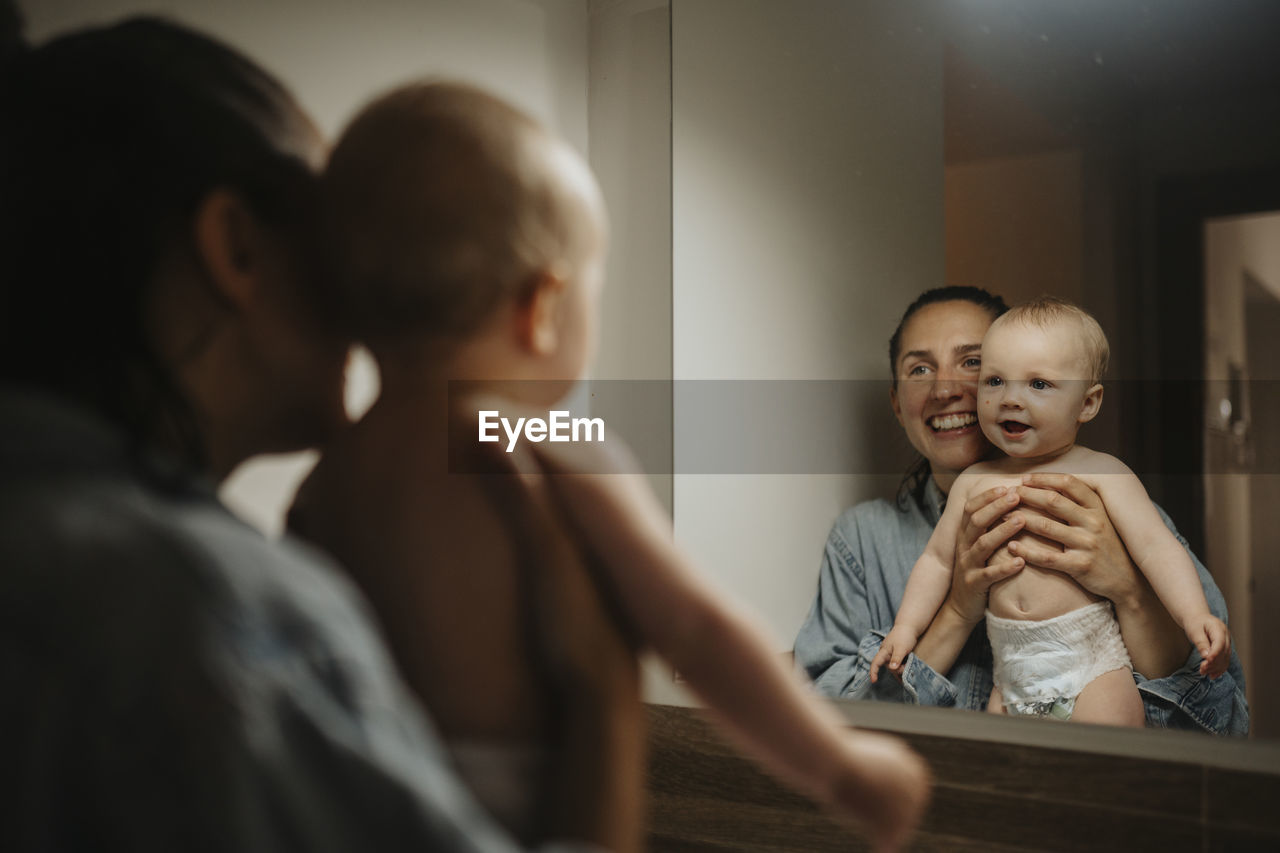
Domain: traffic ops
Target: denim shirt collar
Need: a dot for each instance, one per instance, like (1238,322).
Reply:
(927,498)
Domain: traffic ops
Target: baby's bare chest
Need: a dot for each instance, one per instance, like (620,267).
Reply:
(1012,472)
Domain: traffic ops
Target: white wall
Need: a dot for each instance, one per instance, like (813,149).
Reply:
(807,161)
(335,55)
(629,96)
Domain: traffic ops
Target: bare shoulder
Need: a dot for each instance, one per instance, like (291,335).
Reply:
(967,483)
(1105,474)
(1086,463)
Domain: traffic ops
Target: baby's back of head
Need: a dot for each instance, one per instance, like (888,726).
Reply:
(442,202)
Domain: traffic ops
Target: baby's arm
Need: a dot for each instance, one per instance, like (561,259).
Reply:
(927,586)
(1164,562)
(728,661)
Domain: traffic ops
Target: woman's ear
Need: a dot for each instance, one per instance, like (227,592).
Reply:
(540,316)
(1092,403)
(228,244)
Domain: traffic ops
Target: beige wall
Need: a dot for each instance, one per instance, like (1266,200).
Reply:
(807,213)
(629,109)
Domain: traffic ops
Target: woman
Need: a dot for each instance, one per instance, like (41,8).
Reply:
(934,357)
(178,682)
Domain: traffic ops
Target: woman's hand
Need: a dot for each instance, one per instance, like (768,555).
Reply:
(1090,551)
(1075,518)
(980,561)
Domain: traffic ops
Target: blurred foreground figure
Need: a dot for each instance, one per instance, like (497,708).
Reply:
(173,680)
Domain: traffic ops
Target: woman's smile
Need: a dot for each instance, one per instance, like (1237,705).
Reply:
(953,423)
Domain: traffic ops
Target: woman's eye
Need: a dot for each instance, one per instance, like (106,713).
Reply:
(918,370)
(1039,384)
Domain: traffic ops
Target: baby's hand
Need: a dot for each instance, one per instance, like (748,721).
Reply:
(888,791)
(1211,637)
(895,648)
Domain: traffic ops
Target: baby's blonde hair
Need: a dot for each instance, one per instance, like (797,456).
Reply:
(442,202)
(1044,311)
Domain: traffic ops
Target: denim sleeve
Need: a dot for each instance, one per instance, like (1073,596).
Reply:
(827,646)
(193,716)
(836,643)
(1188,700)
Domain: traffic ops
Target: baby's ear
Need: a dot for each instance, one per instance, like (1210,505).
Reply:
(1092,403)
(540,313)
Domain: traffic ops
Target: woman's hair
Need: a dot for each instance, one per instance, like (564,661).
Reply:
(112,136)
(994,305)
(918,472)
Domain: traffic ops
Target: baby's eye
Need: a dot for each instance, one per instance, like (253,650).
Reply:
(1039,384)
(994,381)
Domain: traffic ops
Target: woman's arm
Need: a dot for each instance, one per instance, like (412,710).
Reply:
(827,645)
(978,540)
(1091,552)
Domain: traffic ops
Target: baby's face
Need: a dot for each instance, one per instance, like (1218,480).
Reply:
(1032,388)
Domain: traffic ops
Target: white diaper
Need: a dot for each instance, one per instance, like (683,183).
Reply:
(1041,666)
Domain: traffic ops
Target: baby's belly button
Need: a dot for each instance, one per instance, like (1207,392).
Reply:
(1010,600)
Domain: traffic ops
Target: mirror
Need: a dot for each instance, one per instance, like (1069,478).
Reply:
(783,178)
(829,164)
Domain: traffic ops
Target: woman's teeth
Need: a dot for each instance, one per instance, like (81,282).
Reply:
(956,421)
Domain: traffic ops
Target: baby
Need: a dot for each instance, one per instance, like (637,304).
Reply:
(469,245)
(1057,647)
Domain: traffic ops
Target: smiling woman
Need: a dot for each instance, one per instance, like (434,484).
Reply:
(936,360)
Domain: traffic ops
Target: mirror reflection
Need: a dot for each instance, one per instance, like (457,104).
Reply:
(827,163)
(828,168)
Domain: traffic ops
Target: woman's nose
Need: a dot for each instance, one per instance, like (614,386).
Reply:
(949,386)
(944,389)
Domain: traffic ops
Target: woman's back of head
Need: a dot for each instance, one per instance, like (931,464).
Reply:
(112,137)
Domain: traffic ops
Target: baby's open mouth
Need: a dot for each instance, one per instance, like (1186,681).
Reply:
(1013,427)
(955,420)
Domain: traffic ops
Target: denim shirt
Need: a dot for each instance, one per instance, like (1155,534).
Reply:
(868,556)
(177,682)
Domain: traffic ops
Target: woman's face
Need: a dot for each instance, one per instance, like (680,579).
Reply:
(937,385)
